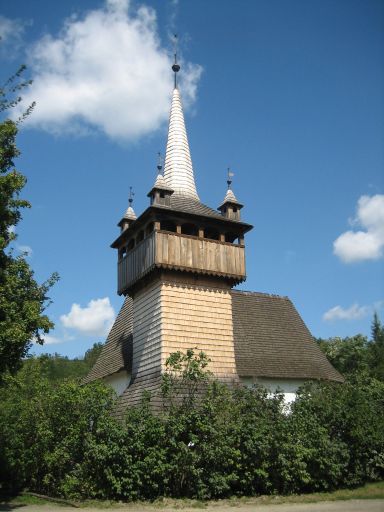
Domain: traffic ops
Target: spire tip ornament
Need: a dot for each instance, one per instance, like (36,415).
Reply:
(129,216)
(175,67)
(131,196)
(159,163)
(230,175)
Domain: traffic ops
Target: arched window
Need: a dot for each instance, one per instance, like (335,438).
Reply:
(140,236)
(131,244)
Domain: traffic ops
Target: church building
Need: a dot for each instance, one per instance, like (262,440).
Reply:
(177,265)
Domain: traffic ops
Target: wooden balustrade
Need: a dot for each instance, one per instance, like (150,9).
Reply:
(164,249)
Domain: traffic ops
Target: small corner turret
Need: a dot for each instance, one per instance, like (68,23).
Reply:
(160,194)
(230,207)
(129,216)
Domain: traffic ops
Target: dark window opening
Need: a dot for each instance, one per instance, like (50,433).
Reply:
(149,229)
(140,236)
(231,238)
(211,233)
(168,225)
(190,229)
(131,244)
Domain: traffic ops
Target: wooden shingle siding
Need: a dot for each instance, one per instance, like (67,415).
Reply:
(197,316)
(271,340)
(147,330)
(116,354)
(134,394)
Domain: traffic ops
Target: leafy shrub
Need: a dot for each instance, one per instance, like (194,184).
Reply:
(211,441)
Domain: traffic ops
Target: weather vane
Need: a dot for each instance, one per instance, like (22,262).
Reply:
(159,162)
(175,67)
(230,175)
(131,195)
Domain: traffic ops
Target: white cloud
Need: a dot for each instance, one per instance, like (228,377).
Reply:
(366,244)
(51,340)
(106,71)
(11,33)
(95,319)
(25,249)
(354,312)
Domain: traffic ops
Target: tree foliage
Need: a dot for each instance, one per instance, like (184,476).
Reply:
(377,348)
(185,374)
(22,299)
(356,355)
(62,439)
(56,368)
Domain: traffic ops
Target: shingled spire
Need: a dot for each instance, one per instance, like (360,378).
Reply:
(178,170)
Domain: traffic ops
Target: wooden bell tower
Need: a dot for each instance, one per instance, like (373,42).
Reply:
(178,262)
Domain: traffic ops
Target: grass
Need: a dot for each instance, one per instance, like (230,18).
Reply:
(367,492)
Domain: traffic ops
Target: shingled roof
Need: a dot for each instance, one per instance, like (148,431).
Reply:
(271,340)
(184,204)
(116,354)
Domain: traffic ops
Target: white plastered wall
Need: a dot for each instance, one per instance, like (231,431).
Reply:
(119,381)
(288,387)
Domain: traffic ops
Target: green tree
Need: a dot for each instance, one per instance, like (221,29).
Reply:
(356,355)
(56,367)
(22,299)
(185,375)
(348,355)
(377,348)
(92,354)
(45,430)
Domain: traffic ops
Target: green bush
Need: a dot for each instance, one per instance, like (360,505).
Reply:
(211,441)
(45,429)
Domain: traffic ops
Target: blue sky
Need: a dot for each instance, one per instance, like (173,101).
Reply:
(289,94)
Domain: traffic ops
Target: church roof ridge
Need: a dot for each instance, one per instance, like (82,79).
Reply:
(262,294)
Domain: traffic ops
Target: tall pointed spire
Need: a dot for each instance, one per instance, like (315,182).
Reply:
(178,170)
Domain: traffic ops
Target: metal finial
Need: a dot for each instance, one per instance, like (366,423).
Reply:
(131,195)
(230,175)
(159,162)
(175,67)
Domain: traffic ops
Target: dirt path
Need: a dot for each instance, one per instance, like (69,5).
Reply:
(325,506)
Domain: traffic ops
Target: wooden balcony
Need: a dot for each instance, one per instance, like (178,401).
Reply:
(163,249)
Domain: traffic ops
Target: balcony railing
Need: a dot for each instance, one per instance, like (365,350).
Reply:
(164,249)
